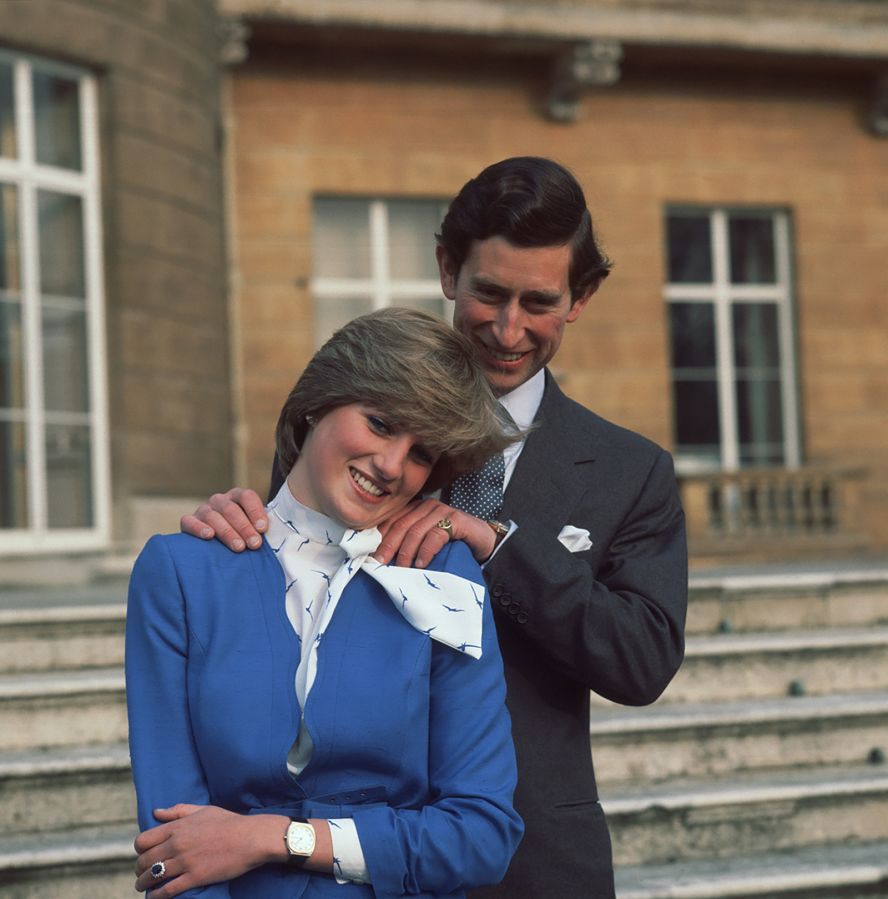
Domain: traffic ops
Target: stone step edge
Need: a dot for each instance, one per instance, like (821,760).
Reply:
(63,614)
(701,579)
(811,640)
(819,867)
(612,720)
(813,784)
(52,849)
(35,684)
(78,759)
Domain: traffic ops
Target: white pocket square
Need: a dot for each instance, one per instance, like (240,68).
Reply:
(575,539)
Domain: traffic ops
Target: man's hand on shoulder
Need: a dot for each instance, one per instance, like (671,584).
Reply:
(237,518)
(412,536)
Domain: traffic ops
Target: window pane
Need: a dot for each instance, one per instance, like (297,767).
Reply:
(692,331)
(60,218)
(690,254)
(412,227)
(760,421)
(341,238)
(756,338)
(332,313)
(435,305)
(752,250)
(696,416)
(68,476)
(57,121)
(7,112)
(64,360)
(12,369)
(10,265)
(13,482)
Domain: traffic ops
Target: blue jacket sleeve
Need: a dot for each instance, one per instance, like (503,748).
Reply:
(166,766)
(467,835)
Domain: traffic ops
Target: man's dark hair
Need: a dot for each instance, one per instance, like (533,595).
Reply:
(530,202)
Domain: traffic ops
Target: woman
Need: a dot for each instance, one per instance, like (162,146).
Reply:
(303,720)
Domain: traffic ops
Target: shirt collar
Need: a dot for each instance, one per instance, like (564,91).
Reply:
(523,402)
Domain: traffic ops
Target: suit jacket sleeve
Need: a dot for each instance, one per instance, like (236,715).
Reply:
(466,836)
(165,763)
(611,618)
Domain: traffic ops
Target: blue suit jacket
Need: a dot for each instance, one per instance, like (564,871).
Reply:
(411,738)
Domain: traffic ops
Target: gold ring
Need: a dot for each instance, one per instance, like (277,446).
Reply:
(446,525)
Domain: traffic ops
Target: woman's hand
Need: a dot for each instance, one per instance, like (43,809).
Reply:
(202,844)
(237,518)
(412,536)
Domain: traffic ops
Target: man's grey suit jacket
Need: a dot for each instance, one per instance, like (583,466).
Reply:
(610,619)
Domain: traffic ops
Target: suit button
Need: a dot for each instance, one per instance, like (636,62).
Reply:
(497,590)
(504,601)
(521,618)
(514,608)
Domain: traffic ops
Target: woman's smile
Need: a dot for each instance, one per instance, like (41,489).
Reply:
(358,468)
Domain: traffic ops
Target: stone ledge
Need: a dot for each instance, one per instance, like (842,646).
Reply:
(828,36)
(822,868)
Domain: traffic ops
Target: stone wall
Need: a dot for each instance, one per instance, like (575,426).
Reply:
(157,68)
(398,124)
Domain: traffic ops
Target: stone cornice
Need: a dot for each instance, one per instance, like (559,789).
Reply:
(848,30)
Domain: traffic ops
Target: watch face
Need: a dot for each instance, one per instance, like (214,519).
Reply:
(300,838)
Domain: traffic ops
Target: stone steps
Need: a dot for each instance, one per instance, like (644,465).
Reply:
(747,815)
(92,863)
(850,872)
(680,740)
(82,786)
(783,601)
(45,639)
(60,708)
(752,770)
(762,665)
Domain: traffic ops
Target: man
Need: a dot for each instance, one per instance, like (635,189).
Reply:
(587,570)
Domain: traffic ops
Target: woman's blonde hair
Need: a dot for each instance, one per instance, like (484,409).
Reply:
(415,369)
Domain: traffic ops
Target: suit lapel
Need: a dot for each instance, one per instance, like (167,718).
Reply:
(545,481)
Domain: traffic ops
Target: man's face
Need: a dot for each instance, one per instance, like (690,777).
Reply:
(512,303)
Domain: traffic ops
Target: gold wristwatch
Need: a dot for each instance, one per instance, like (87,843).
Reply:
(500,530)
(300,840)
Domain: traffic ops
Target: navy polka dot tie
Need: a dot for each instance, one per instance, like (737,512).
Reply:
(480,493)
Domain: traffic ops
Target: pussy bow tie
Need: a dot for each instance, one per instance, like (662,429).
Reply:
(446,607)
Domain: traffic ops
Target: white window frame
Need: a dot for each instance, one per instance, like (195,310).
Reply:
(722,294)
(28,177)
(380,287)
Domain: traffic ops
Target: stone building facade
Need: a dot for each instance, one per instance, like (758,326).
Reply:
(247,174)
(133,92)
(734,159)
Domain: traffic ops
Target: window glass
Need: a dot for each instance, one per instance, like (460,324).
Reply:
(688,248)
(731,363)
(341,238)
(751,250)
(332,312)
(53,471)
(68,476)
(56,121)
(7,112)
(10,262)
(13,476)
(696,416)
(756,335)
(692,329)
(65,383)
(412,226)
(12,369)
(60,218)
(760,421)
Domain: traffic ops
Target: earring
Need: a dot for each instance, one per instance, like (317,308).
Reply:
(311,420)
